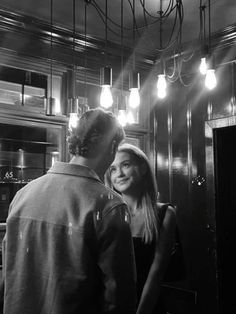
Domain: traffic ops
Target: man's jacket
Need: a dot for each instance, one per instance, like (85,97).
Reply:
(68,247)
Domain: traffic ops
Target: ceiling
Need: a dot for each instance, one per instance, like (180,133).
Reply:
(223,14)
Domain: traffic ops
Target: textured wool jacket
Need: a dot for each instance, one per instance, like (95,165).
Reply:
(68,247)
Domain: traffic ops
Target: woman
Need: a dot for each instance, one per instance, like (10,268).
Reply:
(153,230)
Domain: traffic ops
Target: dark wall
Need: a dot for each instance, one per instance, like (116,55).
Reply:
(181,172)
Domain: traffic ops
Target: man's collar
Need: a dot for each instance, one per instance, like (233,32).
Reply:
(74,170)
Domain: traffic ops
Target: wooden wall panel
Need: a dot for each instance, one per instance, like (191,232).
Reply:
(180,139)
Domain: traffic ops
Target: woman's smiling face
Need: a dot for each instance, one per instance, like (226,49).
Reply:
(125,173)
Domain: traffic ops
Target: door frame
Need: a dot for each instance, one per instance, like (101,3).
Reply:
(210,127)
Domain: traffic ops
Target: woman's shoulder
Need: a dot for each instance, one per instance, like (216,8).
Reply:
(163,208)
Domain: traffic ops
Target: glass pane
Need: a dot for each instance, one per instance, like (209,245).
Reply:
(34,96)
(10,93)
(26,152)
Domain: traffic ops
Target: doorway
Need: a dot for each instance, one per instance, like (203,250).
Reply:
(225,175)
(221,175)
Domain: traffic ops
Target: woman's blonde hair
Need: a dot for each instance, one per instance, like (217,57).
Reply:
(149,197)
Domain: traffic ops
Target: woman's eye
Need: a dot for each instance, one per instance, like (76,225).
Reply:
(112,170)
(126,165)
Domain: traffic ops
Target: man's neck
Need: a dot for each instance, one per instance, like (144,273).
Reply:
(91,163)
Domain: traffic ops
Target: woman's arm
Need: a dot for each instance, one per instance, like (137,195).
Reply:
(156,274)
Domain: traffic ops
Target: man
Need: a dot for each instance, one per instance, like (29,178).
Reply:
(68,247)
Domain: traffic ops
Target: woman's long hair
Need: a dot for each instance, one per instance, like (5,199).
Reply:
(149,197)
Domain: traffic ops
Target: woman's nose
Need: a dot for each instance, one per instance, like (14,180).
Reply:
(119,172)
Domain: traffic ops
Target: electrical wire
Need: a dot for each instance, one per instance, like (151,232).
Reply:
(209,26)
(122,45)
(51,46)
(144,13)
(85,47)
(73,50)
(135,27)
(170,8)
(106,30)
(94,3)
(170,43)
(134,31)
(102,15)
(165,13)
(173,41)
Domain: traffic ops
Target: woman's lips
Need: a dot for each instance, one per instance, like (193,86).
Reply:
(121,181)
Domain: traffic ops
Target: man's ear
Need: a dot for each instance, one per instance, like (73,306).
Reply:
(113,147)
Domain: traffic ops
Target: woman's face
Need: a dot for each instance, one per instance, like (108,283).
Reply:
(125,173)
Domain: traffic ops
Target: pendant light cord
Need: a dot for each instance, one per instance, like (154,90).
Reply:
(122,45)
(204,49)
(204,25)
(209,25)
(51,47)
(85,46)
(161,39)
(161,13)
(106,33)
(73,52)
(134,48)
(202,43)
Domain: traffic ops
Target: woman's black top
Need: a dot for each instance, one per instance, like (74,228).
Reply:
(144,254)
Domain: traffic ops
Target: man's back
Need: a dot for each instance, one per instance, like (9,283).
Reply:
(68,247)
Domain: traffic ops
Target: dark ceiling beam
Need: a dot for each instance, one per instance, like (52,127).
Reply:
(32,27)
(30,37)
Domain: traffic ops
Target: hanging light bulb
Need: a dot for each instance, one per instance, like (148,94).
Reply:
(205,48)
(134,98)
(74,112)
(210,79)
(161,86)
(130,118)
(134,77)
(161,81)
(203,66)
(73,120)
(122,116)
(134,85)
(106,99)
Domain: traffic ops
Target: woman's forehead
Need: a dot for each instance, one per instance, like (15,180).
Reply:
(121,156)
